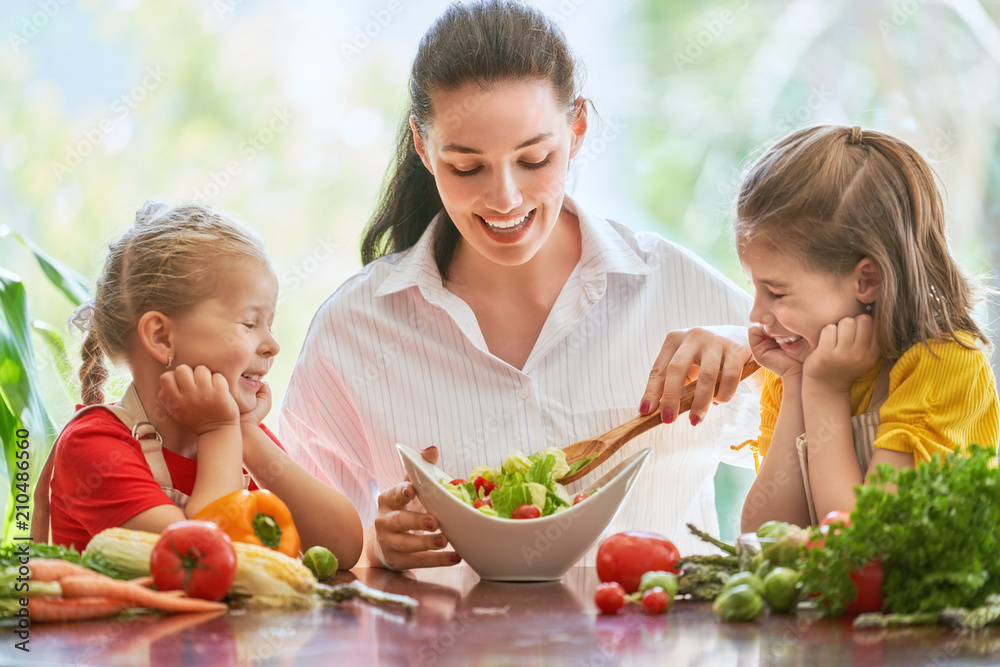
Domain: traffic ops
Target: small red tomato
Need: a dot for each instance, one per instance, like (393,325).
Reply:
(196,557)
(868,581)
(580,497)
(625,557)
(456,482)
(484,485)
(480,502)
(836,516)
(609,597)
(655,600)
(525,511)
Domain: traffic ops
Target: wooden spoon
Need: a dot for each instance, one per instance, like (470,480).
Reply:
(603,446)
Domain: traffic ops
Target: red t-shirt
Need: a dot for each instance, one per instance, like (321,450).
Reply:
(100,478)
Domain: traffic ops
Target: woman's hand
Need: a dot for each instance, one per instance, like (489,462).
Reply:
(769,354)
(706,353)
(846,351)
(398,529)
(198,399)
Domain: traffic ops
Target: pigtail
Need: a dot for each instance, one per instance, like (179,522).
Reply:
(93,372)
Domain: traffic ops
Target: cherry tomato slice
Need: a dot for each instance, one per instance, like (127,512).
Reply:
(609,597)
(456,482)
(580,497)
(525,511)
(480,502)
(484,485)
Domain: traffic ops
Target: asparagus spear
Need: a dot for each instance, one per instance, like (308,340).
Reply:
(879,620)
(728,562)
(346,592)
(728,548)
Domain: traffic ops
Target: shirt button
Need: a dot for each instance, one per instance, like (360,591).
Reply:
(522,394)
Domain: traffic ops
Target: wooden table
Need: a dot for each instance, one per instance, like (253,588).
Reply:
(465,621)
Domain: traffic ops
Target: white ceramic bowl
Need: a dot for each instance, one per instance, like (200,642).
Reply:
(542,549)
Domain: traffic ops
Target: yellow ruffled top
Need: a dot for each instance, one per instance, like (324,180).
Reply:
(941,396)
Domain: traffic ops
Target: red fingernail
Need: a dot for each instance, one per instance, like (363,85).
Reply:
(427,449)
(644,408)
(668,416)
(455,558)
(695,420)
(408,492)
(429,524)
(439,541)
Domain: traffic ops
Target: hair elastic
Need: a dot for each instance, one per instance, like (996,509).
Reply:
(856,135)
(82,318)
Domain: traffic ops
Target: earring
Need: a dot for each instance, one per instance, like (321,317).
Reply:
(171,359)
(868,308)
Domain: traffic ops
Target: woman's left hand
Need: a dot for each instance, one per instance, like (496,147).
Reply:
(705,354)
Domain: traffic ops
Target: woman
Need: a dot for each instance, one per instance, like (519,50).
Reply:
(505,317)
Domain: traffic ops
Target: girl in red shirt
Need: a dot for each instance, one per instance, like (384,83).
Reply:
(186,299)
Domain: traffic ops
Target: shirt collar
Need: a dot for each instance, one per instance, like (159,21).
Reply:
(603,251)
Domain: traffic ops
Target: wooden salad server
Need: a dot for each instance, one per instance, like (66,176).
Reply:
(600,448)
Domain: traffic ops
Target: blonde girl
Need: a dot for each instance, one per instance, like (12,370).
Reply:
(186,299)
(862,319)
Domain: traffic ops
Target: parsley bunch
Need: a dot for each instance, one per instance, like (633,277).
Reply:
(938,537)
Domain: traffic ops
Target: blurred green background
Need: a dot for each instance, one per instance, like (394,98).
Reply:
(284,114)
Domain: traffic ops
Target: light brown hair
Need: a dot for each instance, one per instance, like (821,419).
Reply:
(168,261)
(831,195)
(486,43)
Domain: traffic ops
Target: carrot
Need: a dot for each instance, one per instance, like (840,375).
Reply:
(53,569)
(50,610)
(96,585)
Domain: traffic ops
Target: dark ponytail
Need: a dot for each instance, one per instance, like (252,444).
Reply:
(482,42)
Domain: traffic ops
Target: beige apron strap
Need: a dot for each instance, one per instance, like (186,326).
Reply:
(129,412)
(802,451)
(40,513)
(864,428)
(866,425)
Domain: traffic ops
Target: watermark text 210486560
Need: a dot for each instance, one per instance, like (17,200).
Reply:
(22,523)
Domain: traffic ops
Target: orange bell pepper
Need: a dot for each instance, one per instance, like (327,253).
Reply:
(255,517)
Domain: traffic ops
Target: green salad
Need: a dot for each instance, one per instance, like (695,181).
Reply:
(524,487)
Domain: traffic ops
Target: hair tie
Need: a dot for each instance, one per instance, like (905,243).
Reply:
(82,318)
(856,135)
(150,210)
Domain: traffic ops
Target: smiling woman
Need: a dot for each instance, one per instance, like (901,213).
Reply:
(496,314)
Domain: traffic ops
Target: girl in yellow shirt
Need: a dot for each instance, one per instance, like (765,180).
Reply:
(861,317)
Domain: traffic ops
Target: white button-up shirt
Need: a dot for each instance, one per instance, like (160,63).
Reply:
(393,357)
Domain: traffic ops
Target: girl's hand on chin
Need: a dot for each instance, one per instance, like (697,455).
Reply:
(257,414)
(846,351)
(769,354)
(198,399)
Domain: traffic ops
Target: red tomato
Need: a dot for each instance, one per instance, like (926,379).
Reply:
(580,497)
(625,557)
(484,485)
(609,597)
(456,482)
(196,557)
(655,600)
(836,516)
(525,511)
(869,583)
(484,501)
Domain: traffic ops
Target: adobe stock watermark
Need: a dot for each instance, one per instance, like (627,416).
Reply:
(249,148)
(301,270)
(712,28)
(944,141)
(595,146)
(34,23)
(814,102)
(901,14)
(365,33)
(120,109)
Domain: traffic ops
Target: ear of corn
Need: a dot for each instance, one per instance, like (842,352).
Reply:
(259,571)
